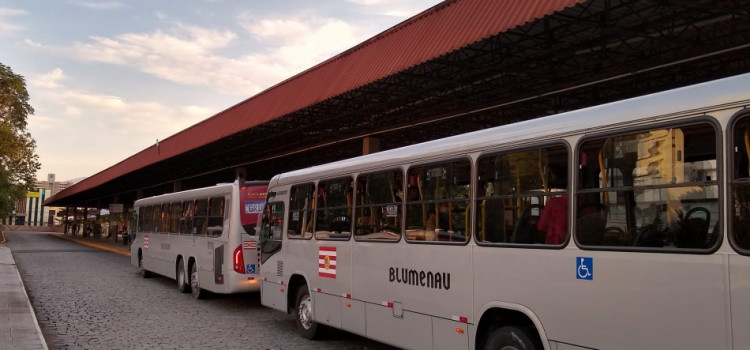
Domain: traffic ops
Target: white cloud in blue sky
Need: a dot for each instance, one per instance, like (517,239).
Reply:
(108,78)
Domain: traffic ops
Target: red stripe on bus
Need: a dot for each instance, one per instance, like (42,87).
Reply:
(328,249)
(324,274)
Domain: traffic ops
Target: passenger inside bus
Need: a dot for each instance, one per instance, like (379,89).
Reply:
(554,219)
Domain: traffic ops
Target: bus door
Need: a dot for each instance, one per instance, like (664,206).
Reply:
(217,225)
(739,234)
(204,237)
(273,290)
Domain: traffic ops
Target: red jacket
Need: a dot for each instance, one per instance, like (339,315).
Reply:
(554,220)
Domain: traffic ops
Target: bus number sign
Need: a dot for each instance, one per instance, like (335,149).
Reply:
(253,207)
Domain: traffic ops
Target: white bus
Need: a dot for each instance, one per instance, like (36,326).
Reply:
(203,238)
(621,226)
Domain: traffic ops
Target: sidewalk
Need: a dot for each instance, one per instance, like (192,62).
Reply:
(19,328)
(100,243)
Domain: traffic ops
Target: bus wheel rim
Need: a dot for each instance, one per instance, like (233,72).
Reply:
(305,312)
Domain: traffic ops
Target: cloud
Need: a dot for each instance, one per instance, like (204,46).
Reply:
(196,112)
(395,8)
(33,43)
(96,5)
(97,129)
(108,113)
(301,41)
(7,28)
(49,80)
(192,55)
(187,55)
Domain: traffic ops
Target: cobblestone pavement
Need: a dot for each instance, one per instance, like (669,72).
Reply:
(86,298)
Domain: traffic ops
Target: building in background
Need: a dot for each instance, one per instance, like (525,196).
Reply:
(30,211)
(51,186)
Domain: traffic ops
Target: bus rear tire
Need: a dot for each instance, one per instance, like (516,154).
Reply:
(182,284)
(195,285)
(303,313)
(512,338)
(141,270)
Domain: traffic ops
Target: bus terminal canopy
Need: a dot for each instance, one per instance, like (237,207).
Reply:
(459,66)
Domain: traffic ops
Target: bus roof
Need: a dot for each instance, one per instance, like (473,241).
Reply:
(205,191)
(659,105)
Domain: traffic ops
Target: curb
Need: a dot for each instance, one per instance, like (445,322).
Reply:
(93,245)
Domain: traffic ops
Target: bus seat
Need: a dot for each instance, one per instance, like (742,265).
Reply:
(693,232)
(525,230)
(590,228)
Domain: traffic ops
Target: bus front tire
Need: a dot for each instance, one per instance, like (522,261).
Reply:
(182,284)
(195,285)
(512,338)
(303,313)
(141,270)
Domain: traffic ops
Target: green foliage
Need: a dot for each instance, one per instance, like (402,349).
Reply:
(18,161)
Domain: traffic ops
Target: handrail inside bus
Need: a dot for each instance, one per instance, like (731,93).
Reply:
(421,198)
(603,171)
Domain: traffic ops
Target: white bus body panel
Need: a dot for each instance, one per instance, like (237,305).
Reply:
(628,290)
(373,283)
(353,316)
(273,295)
(446,336)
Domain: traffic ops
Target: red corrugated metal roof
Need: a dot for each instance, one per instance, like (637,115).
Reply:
(432,33)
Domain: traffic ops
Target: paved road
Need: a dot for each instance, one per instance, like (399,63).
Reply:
(86,298)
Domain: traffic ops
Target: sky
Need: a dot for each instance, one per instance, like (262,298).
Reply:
(107,79)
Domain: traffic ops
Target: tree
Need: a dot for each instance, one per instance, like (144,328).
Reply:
(18,161)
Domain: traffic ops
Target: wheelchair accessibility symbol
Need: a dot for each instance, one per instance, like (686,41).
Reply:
(584,268)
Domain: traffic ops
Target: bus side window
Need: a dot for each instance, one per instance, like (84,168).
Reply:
(740,182)
(654,188)
(175,217)
(200,225)
(215,222)
(301,207)
(142,215)
(438,202)
(522,197)
(333,214)
(164,218)
(378,211)
(186,218)
(271,227)
(149,219)
(156,218)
